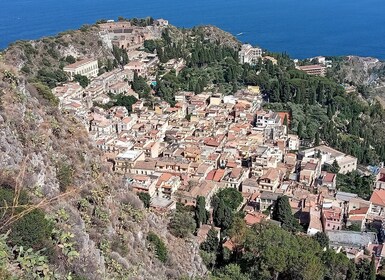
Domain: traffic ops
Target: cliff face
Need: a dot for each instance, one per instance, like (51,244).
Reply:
(366,71)
(51,156)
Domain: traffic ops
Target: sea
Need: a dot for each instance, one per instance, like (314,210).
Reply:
(301,28)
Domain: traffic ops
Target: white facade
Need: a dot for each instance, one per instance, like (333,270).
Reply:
(249,54)
(86,67)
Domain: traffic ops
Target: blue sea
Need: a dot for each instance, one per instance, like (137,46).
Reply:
(302,28)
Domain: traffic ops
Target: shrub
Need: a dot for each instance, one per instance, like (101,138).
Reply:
(31,231)
(51,77)
(182,224)
(46,93)
(25,69)
(70,59)
(64,174)
(145,198)
(159,246)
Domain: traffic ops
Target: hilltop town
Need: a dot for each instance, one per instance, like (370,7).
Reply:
(186,150)
(209,141)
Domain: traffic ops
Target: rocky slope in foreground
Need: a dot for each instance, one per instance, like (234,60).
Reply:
(106,224)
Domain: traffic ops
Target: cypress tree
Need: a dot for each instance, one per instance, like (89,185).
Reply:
(282,213)
(316,140)
(373,270)
(300,130)
(201,214)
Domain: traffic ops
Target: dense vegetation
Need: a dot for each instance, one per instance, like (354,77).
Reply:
(355,183)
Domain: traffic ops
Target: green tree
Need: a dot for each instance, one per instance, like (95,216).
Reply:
(126,101)
(231,272)
(150,45)
(70,59)
(322,239)
(373,269)
(282,213)
(145,198)
(300,130)
(82,80)
(316,140)
(231,197)
(46,93)
(140,86)
(338,266)
(201,214)
(335,168)
(270,252)
(64,174)
(51,77)
(211,243)
(222,214)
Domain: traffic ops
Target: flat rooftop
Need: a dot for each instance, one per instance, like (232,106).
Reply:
(129,154)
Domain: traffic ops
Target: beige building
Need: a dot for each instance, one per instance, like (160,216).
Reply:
(85,67)
(317,69)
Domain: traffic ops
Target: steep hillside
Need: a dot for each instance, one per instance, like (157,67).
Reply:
(99,229)
(52,52)
(365,71)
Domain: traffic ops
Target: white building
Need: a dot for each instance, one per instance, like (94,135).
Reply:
(249,54)
(86,67)
(327,155)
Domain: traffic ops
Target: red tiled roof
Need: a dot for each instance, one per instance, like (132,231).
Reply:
(231,164)
(378,197)
(210,175)
(254,218)
(310,166)
(218,175)
(362,210)
(229,245)
(282,117)
(329,177)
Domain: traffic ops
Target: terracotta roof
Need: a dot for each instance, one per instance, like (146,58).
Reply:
(236,172)
(332,214)
(231,164)
(378,197)
(219,175)
(163,178)
(271,174)
(147,165)
(255,195)
(254,218)
(282,117)
(310,166)
(362,210)
(229,245)
(356,218)
(329,177)
(210,175)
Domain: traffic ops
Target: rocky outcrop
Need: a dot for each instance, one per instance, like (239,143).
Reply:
(108,222)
